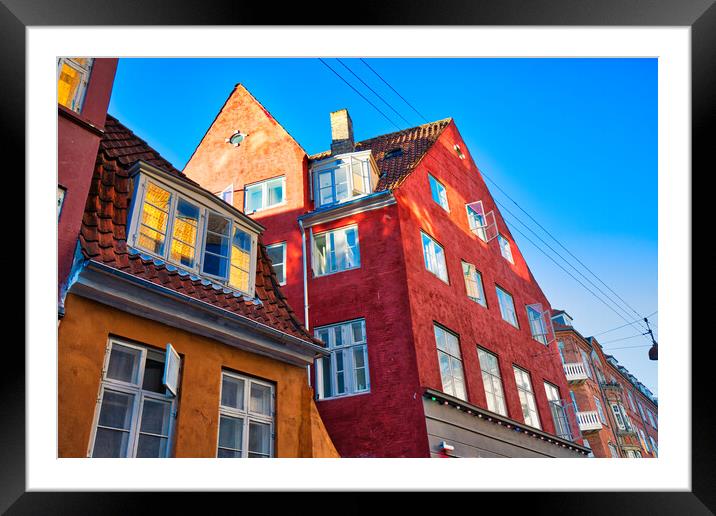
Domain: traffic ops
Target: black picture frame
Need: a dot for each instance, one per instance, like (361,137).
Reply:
(700,15)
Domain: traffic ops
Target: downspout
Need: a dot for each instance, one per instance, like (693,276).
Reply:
(305,274)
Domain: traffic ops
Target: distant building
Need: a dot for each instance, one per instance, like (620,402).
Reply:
(176,339)
(612,407)
(439,336)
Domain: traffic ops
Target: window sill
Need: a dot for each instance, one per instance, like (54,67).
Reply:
(315,276)
(343,396)
(268,208)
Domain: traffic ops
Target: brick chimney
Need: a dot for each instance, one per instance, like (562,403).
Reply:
(341,132)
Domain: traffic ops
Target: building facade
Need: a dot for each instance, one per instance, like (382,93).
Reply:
(616,413)
(84,86)
(176,339)
(439,336)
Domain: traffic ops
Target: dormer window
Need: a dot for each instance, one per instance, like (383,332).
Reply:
(342,178)
(198,235)
(393,153)
(72,78)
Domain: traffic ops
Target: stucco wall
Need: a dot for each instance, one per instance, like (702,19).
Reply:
(83,336)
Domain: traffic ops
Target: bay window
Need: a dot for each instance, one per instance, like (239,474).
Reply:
(345,371)
(342,178)
(246,417)
(181,230)
(335,251)
(72,78)
(136,405)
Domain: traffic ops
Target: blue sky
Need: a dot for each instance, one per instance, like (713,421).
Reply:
(573,141)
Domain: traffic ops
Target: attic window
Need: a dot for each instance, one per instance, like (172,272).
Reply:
(460,154)
(236,138)
(393,153)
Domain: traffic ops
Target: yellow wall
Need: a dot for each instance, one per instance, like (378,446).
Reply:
(83,335)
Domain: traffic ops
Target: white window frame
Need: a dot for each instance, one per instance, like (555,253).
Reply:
(315,255)
(348,161)
(476,225)
(613,450)
(85,72)
(451,356)
(283,259)
(472,274)
(652,422)
(495,380)
(532,415)
(432,259)
(204,209)
(134,389)
(559,413)
(533,321)
(500,298)
(631,400)
(230,190)
(621,417)
(246,414)
(505,249)
(347,350)
(600,410)
(654,447)
(264,194)
(437,188)
(61,193)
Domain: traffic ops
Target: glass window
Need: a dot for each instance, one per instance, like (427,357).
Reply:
(246,417)
(631,400)
(434,257)
(473,283)
(345,371)
(335,251)
(227,195)
(154,219)
(186,225)
(264,195)
(527,397)
(135,408)
(652,422)
(277,253)
(600,410)
(653,446)
(559,414)
(507,307)
(505,248)
(492,381)
(61,191)
(613,451)
(477,223)
(537,325)
(340,180)
(72,79)
(438,192)
(450,362)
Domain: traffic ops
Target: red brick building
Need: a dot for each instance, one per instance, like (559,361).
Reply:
(395,255)
(615,412)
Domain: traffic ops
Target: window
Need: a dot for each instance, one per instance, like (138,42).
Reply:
(507,307)
(61,191)
(651,418)
(653,446)
(345,371)
(184,233)
(342,179)
(450,361)
(246,417)
(527,397)
(633,454)
(574,401)
(537,324)
(505,249)
(336,251)
(587,445)
(438,192)
(476,222)
(264,195)
(434,257)
(277,253)
(136,408)
(641,410)
(600,411)
(621,418)
(227,195)
(72,78)
(559,414)
(473,283)
(643,440)
(631,400)
(459,152)
(613,450)
(492,381)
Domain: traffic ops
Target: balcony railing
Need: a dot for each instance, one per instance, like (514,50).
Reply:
(575,372)
(589,421)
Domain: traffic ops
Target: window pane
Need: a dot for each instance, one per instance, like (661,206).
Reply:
(259,439)
(254,198)
(186,223)
(276,253)
(340,373)
(124,363)
(157,197)
(327,377)
(153,375)
(151,446)
(68,86)
(215,265)
(231,431)
(240,260)
(155,417)
(357,328)
(341,184)
(275,191)
(260,399)
(110,443)
(116,410)
(232,392)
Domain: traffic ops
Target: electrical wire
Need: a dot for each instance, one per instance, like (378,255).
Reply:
(395,91)
(622,326)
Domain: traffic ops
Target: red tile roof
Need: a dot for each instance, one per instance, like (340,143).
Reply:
(413,142)
(103,237)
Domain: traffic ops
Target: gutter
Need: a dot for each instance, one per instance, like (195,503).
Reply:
(305,273)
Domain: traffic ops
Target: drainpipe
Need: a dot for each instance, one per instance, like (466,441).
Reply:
(305,274)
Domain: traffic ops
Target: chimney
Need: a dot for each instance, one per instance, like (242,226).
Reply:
(341,132)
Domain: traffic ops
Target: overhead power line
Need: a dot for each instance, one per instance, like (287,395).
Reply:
(395,91)
(622,326)
(359,93)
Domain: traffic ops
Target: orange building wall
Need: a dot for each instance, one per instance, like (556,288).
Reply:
(83,335)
